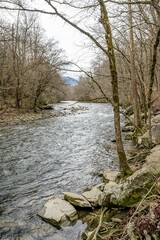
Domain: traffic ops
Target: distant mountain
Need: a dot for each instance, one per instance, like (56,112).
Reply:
(70,81)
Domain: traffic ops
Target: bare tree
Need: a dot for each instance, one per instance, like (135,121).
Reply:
(29,64)
(137,120)
(153,65)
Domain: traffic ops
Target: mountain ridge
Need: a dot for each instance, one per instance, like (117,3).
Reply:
(70,80)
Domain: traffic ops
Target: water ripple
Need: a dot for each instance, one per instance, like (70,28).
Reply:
(42,159)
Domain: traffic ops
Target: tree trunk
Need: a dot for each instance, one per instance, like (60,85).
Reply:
(152,75)
(124,167)
(15,55)
(136,109)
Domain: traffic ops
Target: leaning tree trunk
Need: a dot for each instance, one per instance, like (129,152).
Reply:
(124,167)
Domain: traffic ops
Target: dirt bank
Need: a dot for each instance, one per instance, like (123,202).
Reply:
(14,116)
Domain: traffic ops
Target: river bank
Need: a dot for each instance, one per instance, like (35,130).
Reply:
(120,208)
(42,159)
(14,116)
(130,208)
(127,209)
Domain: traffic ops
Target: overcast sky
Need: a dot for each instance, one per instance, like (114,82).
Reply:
(70,40)
(74,44)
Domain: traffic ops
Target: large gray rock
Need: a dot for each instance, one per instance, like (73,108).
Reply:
(130,191)
(104,198)
(127,193)
(77,200)
(58,212)
(93,195)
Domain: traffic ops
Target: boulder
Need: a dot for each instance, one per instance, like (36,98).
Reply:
(128,192)
(110,175)
(58,212)
(104,198)
(77,200)
(92,196)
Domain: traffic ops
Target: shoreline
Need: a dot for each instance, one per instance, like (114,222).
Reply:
(109,216)
(13,116)
(16,117)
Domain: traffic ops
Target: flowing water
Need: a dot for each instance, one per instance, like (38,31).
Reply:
(40,160)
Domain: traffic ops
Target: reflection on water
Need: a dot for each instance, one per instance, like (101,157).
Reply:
(42,159)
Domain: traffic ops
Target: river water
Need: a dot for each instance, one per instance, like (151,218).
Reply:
(40,160)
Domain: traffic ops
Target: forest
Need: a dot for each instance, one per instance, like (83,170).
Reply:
(124,36)
(31,63)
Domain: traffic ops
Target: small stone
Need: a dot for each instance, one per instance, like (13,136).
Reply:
(110,175)
(77,200)
(93,196)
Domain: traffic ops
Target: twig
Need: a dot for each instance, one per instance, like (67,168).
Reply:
(94,234)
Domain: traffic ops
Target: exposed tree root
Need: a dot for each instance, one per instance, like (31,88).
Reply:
(95,233)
